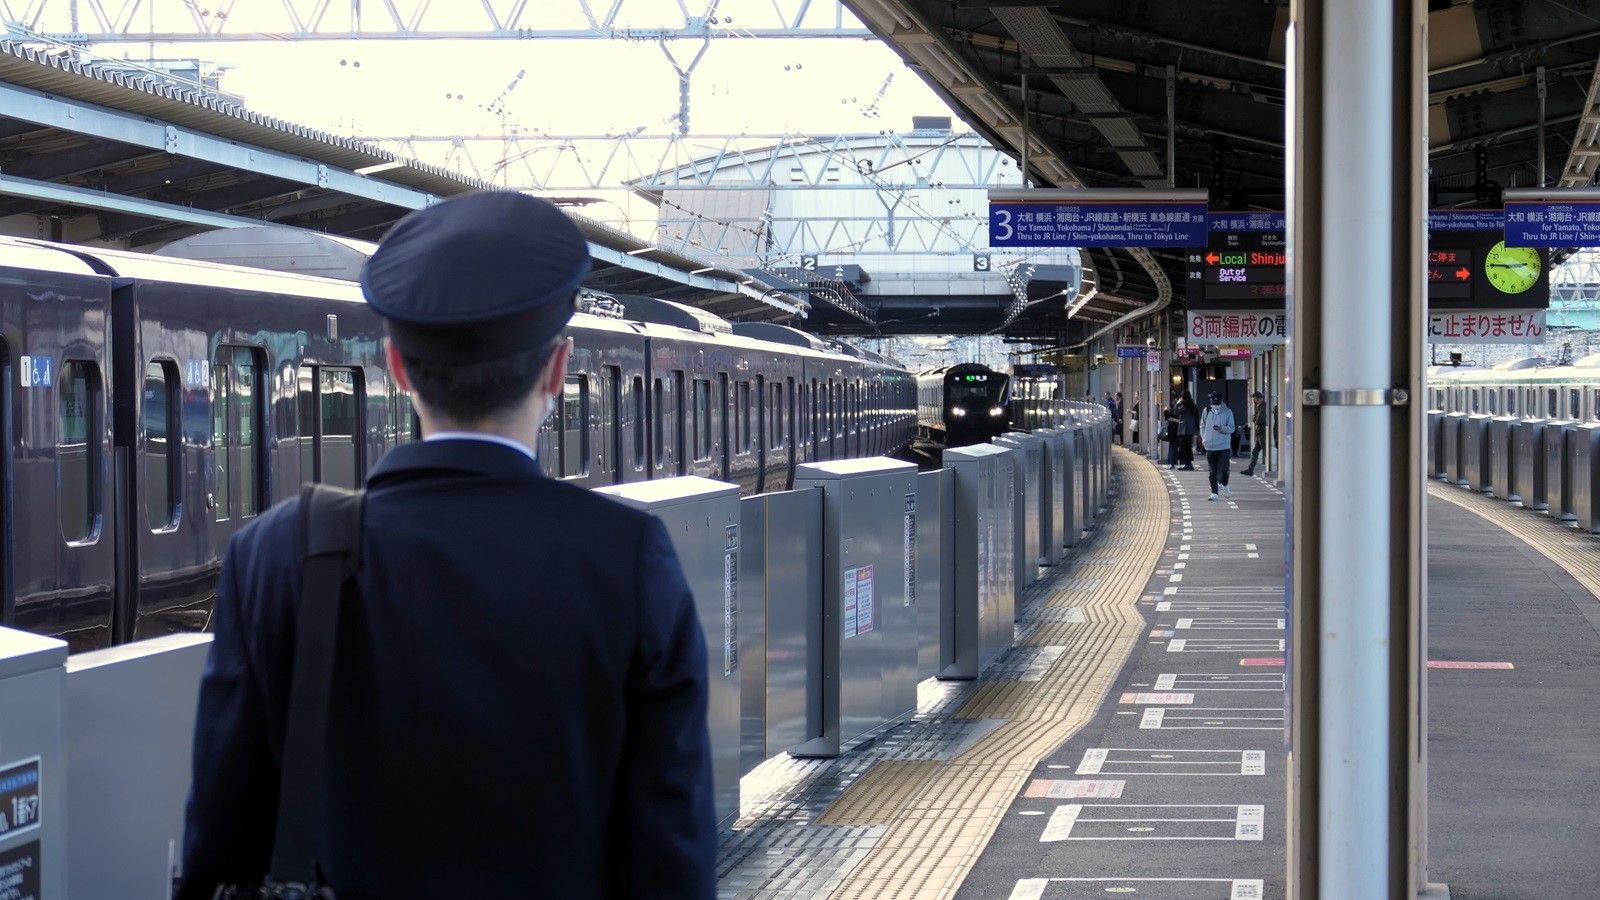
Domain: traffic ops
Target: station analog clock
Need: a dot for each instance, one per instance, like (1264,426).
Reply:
(1512,270)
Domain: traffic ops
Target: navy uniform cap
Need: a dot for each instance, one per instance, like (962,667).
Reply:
(477,278)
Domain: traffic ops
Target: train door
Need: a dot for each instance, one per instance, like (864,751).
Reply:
(331,404)
(7,447)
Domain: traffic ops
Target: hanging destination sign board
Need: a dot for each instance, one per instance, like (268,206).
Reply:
(1097,218)
(1472,267)
(1243,265)
(1552,218)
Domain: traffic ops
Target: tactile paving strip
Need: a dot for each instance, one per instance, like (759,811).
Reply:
(1573,550)
(946,823)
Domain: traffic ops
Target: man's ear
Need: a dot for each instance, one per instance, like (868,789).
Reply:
(556,369)
(397,367)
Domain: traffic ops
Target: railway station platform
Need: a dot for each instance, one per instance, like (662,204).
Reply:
(1132,744)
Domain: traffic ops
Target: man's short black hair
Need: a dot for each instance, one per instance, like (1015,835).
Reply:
(474,392)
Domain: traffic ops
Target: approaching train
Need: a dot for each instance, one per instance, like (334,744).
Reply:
(1531,388)
(964,404)
(152,406)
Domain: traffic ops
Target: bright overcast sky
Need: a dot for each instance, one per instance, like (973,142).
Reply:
(805,86)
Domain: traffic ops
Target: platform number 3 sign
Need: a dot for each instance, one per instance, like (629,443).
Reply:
(980,262)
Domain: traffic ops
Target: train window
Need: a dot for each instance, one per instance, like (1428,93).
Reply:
(639,423)
(163,442)
(702,419)
(1572,403)
(680,413)
(575,426)
(1493,397)
(775,417)
(236,421)
(609,455)
(659,426)
(338,445)
(220,389)
(1550,402)
(741,441)
(78,453)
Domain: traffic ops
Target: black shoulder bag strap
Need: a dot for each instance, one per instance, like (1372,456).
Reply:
(330,526)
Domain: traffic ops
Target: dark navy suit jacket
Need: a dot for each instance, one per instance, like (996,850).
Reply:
(519,695)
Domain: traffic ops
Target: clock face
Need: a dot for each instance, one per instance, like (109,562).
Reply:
(1512,270)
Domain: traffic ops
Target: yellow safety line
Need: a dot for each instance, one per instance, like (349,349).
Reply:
(937,834)
(1569,548)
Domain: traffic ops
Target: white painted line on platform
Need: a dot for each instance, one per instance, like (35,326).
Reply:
(1249,546)
(1127,761)
(1250,824)
(1175,578)
(1031,889)
(1183,546)
(1180,565)
(1183,556)
(1212,718)
(1166,698)
(1061,822)
(1252,556)
(1237,888)
(1169,591)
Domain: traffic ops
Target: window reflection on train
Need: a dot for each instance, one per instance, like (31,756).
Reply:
(232,386)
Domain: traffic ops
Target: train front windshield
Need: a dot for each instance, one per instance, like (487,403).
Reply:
(968,388)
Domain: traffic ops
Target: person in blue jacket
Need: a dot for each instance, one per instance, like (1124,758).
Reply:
(1216,435)
(518,698)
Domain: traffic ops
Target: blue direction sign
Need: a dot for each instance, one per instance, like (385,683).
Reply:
(1466,220)
(1130,351)
(1553,223)
(1091,218)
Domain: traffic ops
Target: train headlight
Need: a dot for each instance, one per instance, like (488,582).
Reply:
(957,411)
(996,411)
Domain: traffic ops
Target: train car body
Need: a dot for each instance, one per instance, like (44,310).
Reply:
(965,404)
(1529,388)
(153,406)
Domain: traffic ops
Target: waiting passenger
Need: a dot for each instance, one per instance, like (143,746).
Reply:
(1188,430)
(1216,435)
(1258,431)
(518,689)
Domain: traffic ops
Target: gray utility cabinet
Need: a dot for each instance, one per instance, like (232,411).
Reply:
(981,625)
(130,716)
(1475,452)
(1583,450)
(1557,486)
(1083,452)
(869,646)
(1503,456)
(780,623)
(1453,471)
(33,771)
(936,562)
(702,516)
(1051,495)
(1529,460)
(1435,426)
(1028,459)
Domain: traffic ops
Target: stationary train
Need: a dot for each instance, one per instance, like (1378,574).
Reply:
(963,404)
(151,406)
(1531,387)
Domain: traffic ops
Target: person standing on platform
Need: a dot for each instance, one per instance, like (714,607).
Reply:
(1258,431)
(1216,435)
(518,694)
(1169,433)
(1188,430)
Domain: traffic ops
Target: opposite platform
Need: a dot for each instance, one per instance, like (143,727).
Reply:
(907,812)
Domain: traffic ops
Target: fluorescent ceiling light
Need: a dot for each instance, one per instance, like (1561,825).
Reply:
(703,271)
(380,167)
(640,250)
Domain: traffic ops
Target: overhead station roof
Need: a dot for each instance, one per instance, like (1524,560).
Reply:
(129,156)
(1097,93)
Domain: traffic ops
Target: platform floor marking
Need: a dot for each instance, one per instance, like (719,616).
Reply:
(1166,698)
(1154,822)
(1145,888)
(1169,681)
(1249,546)
(1213,718)
(1228,624)
(1127,761)
(1073,789)
(1175,578)
(939,832)
(1223,645)
(1460,664)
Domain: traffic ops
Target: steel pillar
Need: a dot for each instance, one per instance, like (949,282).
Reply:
(1357,120)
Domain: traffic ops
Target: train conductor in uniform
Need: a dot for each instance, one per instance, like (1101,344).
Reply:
(518,698)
